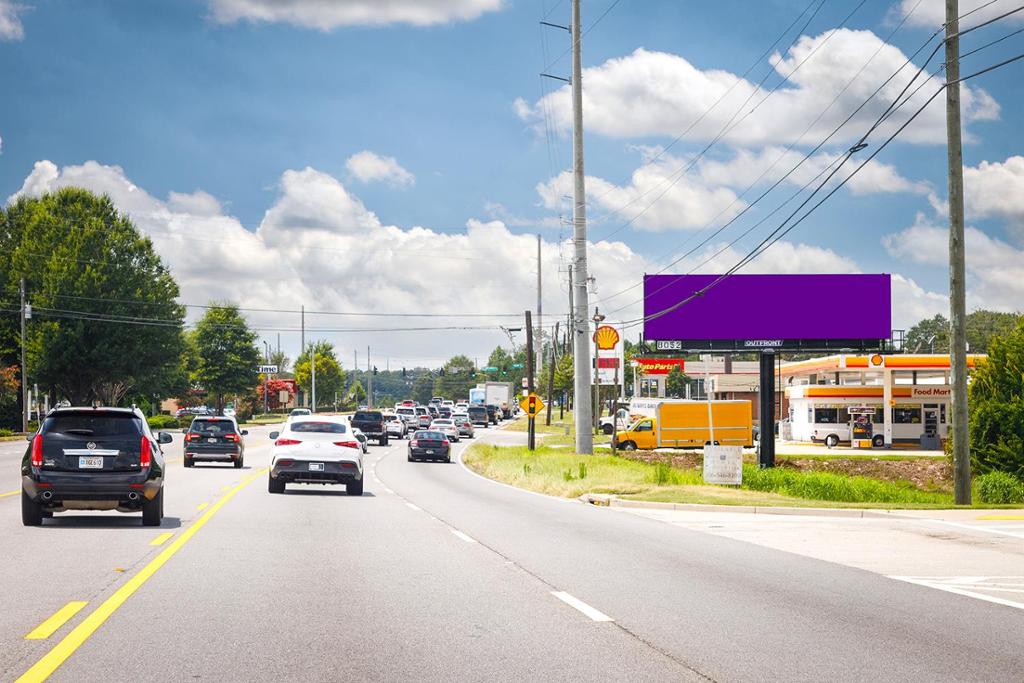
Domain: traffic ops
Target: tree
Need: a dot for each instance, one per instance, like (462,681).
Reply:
(997,407)
(227,357)
(932,334)
(106,322)
(565,377)
(356,394)
(281,360)
(274,389)
(675,383)
(330,378)
(458,378)
(423,388)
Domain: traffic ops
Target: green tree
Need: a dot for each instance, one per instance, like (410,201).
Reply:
(356,394)
(458,378)
(106,322)
(564,374)
(423,388)
(675,383)
(981,326)
(281,360)
(330,378)
(997,407)
(226,353)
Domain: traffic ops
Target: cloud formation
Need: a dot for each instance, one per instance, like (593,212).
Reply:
(649,93)
(11,27)
(369,167)
(326,15)
(318,245)
(932,13)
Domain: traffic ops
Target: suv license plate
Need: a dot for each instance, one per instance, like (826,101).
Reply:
(430,452)
(211,440)
(316,467)
(90,463)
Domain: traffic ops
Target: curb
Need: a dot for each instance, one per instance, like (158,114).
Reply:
(603,500)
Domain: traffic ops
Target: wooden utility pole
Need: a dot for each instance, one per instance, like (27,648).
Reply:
(551,373)
(24,373)
(531,441)
(957,284)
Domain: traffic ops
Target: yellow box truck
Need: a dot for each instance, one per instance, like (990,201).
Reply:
(676,423)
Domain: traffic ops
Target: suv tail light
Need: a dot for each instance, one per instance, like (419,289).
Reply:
(347,444)
(287,442)
(414,443)
(145,453)
(232,437)
(191,436)
(37,451)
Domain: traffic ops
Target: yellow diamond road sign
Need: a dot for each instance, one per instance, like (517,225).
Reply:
(532,404)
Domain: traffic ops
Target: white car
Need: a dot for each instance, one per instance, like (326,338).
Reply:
(463,423)
(446,427)
(461,406)
(395,426)
(448,404)
(316,449)
(298,412)
(364,441)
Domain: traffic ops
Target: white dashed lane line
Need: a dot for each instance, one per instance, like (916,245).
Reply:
(594,613)
(413,507)
(463,536)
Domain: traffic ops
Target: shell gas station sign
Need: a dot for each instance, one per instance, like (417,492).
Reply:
(610,356)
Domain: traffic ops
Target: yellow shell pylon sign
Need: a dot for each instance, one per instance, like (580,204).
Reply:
(606,337)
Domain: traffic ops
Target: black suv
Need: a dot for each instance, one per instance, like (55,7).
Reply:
(93,459)
(371,423)
(493,413)
(216,439)
(478,415)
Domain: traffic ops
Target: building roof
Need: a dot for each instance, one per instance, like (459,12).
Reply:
(876,362)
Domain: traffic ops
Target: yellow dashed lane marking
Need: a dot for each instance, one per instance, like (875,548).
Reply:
(59,618)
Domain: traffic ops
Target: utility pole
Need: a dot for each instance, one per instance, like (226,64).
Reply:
(302,339)
(551,373)
(266,380)
(598,319)
(531,439)
(369,379)
(24,373)
(581,346)
(957,285)
(540,311)
(312,365)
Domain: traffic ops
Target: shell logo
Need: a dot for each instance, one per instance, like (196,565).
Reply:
(606,337)
(877,360)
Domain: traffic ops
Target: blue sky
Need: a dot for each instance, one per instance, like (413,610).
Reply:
(185,100)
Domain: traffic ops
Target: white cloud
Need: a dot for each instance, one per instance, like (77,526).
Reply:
(368,167)
(932,13)
(330,14)
(995,268)
(996,190)
(651,93)
(10,23)
(318,245)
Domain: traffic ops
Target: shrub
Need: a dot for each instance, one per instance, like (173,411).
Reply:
(835,487)
(6,432)
(997,407)
(1000,488)
(163,422)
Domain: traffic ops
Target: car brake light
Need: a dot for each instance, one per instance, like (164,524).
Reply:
(145,453)
(37,451)
(286,442)
(348,465)
(191,436)
(414,443)
(232,437)
(347,444)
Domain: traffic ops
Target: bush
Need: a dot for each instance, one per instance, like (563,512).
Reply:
(833,487)
(163,422)
(6,432)
(1000,488)
(997,407)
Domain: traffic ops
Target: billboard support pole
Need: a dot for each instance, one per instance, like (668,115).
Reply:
(531,435)
(766,396)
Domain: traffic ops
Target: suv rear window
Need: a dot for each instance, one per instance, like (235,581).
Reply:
(318,427)
(213,427)
(368,415)
(476,410)
(94,424)
(406,411)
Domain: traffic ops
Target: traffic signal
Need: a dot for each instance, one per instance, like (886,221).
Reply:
(403,372)
(375,369)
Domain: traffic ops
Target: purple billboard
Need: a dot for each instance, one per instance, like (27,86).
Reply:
(766,311)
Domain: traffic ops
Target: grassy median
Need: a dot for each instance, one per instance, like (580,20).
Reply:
(563,473)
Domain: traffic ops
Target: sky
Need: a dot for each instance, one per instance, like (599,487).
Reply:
(401,156)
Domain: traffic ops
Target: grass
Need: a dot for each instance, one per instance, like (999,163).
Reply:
(558,472)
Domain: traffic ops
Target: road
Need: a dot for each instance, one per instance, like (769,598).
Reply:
(437,574)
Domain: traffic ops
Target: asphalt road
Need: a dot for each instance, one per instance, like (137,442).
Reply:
(437,574)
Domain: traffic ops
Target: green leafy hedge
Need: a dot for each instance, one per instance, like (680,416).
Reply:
(834,487)
(1000,488)
(163,422)
(997,407)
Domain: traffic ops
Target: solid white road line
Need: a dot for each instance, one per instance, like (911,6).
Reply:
(386,489)
(463,536)
(978,527)
(594,614)
(961,591)
(412,507)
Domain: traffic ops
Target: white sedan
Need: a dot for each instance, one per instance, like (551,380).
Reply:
(316,449)
(446,427)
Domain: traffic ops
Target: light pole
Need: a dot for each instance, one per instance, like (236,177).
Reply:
(598,319)
(266,382)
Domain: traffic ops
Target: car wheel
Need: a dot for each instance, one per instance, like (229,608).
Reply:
(354,488)
(409,457)
(878,441)
(31,511)
(384,441)
(447,458)
(607,429)
(275,485)
(239,463)
(831,441)
(188,462)
(629,446)
(153,510)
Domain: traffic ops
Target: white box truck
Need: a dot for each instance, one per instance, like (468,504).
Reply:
(501,394)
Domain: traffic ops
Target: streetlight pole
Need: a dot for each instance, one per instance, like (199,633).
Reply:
(598,319)
(266,379)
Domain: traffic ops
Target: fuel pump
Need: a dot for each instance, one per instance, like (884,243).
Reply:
(861,427)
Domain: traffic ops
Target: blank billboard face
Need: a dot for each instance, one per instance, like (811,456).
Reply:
(758,311)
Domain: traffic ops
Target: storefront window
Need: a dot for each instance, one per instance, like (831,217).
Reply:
(906,415)
(879,416)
